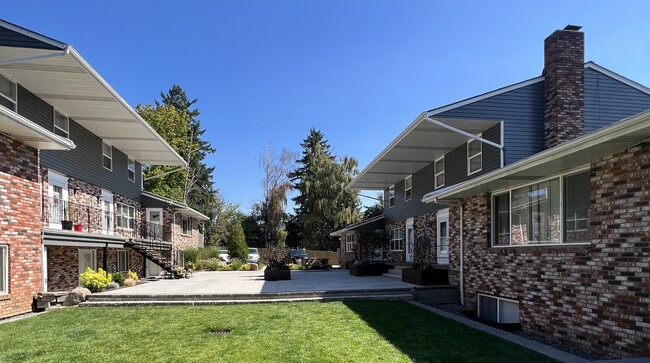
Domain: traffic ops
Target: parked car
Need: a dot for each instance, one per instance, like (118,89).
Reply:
(298,255)
(223,254)
(253,255)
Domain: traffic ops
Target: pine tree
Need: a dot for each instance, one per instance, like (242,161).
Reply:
(237,247)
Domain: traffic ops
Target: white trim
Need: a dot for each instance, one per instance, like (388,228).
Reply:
(435,175)
(401,239)
(31,34)
(4,263)
(119,215)
(15,84)
(464,133)
(617,77)
(478,155)
(406,197)
(48,135)
(624,127)
(408,254)
(442,257)
(108,224)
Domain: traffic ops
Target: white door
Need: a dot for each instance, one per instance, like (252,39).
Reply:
(442,231)
(107,211)
(154,223)
(44,269)
(87,258)
(409,240)
(57,192)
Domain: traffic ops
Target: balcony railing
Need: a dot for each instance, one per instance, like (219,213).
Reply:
(87,218)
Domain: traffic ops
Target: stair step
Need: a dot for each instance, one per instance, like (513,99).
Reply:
(392,275)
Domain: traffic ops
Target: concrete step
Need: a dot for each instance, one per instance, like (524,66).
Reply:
(393,275)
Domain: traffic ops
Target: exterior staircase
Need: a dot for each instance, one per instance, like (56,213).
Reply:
(157,252)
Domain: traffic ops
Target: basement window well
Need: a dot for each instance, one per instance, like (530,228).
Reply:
(498,310)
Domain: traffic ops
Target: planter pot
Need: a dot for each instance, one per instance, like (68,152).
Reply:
(78,227)
(372,269)
(66,225)
(276,275)
(348,265)
(427,276)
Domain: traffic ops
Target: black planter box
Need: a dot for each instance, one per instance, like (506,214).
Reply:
(276,275)
(373,269)
(427,276)
(66,225)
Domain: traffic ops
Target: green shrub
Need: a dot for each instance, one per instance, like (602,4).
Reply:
(225,268)
(190,265)
(208,253)
(95,281)
(244,267)
(118,277)
(132,275)
(191,254)
(236,264)
(201,265)
(237,247)
(213,264)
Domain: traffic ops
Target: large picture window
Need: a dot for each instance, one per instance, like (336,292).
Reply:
(532,215)
(396,239)
(4,269)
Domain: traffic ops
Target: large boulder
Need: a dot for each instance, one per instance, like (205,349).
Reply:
(76,296)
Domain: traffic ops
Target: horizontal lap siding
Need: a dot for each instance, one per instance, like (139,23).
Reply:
(422,184)
(85,161)
(10,38)
(608,100)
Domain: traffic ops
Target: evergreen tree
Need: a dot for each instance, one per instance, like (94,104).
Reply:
(237,247)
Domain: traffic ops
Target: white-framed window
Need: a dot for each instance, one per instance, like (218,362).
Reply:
(391,196)
(131,167)
(350,241)
(408,188)
(4,269)
(439,172)
(497,309)
(125,216)
(396,238)
(107,155)
(187,225)
(122,260)
(61,124)
(474,156)
(8,93)
(538,213)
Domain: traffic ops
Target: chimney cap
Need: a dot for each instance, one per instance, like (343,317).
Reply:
(574,28)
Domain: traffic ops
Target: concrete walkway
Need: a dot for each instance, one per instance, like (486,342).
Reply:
(252,282)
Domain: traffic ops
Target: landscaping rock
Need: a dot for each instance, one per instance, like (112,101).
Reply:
(130,282)
(76,296)
(83,291)
(253,267)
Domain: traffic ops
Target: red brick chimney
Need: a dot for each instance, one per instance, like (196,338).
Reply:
(564,95)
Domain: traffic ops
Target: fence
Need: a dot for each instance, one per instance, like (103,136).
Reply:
(332,255)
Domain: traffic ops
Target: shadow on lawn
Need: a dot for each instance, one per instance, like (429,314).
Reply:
(426,337)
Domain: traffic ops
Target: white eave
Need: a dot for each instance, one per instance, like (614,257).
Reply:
(562,158)
(65,80)
(30,133)
(178,207)
(354,226)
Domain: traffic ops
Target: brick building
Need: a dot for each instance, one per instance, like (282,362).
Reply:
(535,198)
(71,156)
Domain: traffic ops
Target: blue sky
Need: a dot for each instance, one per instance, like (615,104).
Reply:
(359,71)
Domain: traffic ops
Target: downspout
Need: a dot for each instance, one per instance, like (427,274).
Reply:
(173,233)
(462,258)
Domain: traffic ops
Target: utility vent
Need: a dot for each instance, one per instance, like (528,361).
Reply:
(498,310)
(219,332)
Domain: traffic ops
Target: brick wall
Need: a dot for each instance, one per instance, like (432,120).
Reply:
(19,229)
(396,256)
(594,296)
(425,226)
(345,256)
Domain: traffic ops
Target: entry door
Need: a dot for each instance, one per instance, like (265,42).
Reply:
(57,192)
(409,240)
(44,269)
(154,223)
(443,237)
(107,211)
(87,258)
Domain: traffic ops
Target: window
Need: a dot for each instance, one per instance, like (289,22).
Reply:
(107,156)
(532,214)
(498,310)
(391,196)
(408,187)
(61,124)
(350,240)
(474,156)
(187,226)
(396,239)
(125,216)
(439,172)
(7,93)
(131,166)
(122,260)
(4,273)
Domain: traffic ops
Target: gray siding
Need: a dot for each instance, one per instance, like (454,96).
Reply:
(522,111)
(608,100)
(456,160)
(10,38)
(84,162)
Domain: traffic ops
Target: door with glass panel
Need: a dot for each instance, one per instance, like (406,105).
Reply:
(154,223)
(57,192)
(442,231)
(107,212)
(409,240)
(87,258)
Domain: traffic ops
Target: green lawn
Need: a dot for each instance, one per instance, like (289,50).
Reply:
(360,331)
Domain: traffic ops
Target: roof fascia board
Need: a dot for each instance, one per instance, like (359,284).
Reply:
(617,77)
(98,77)
(32,34)
(459,131)
(623,127)
(32,126)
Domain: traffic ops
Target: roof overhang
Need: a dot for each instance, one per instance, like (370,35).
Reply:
(178,207)
(64,79)
(376,222)
(562,158)
(54,237)
(30,133)
(427,139)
